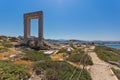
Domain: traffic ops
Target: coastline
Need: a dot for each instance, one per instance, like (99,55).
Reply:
(116,46)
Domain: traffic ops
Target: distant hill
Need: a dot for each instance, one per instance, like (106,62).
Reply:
(82,41)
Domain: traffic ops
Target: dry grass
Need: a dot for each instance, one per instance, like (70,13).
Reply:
(7,54)
(24,62)
(57,57)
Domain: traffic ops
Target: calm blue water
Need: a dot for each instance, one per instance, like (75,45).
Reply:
(117,46)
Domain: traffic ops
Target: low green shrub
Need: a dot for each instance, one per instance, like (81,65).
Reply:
(80,57)
(14,39)
(3,37)
(106,54)
(117,72)
(9,71)
(3,49)
(35,55)
(7,45)
(62,51)
(78,51)
(60,70)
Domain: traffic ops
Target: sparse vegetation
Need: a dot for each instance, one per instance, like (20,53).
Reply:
(35,55)
(117,72)
(7,45)
(116,51)
(80,57)
(3,49)
(9,71)
(60,71)
(78,51)
(62,51)
(3,37)
(14,39)
(107,54)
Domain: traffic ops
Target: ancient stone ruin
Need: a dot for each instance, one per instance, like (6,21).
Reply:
(35,42)
(28,40)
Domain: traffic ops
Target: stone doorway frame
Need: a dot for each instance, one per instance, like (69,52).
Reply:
(27,22)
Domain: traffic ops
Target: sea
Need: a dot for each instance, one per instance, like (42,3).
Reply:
(116,46)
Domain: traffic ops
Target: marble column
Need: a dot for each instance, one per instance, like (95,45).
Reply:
(40,29)
(40,24)
(26,28)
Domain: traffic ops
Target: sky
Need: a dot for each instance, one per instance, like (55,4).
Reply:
(64,19)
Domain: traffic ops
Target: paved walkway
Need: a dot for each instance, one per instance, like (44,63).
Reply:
(100,70)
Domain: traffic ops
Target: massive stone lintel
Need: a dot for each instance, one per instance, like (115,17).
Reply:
(27,20)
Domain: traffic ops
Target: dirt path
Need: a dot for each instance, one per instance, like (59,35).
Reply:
(100,70)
